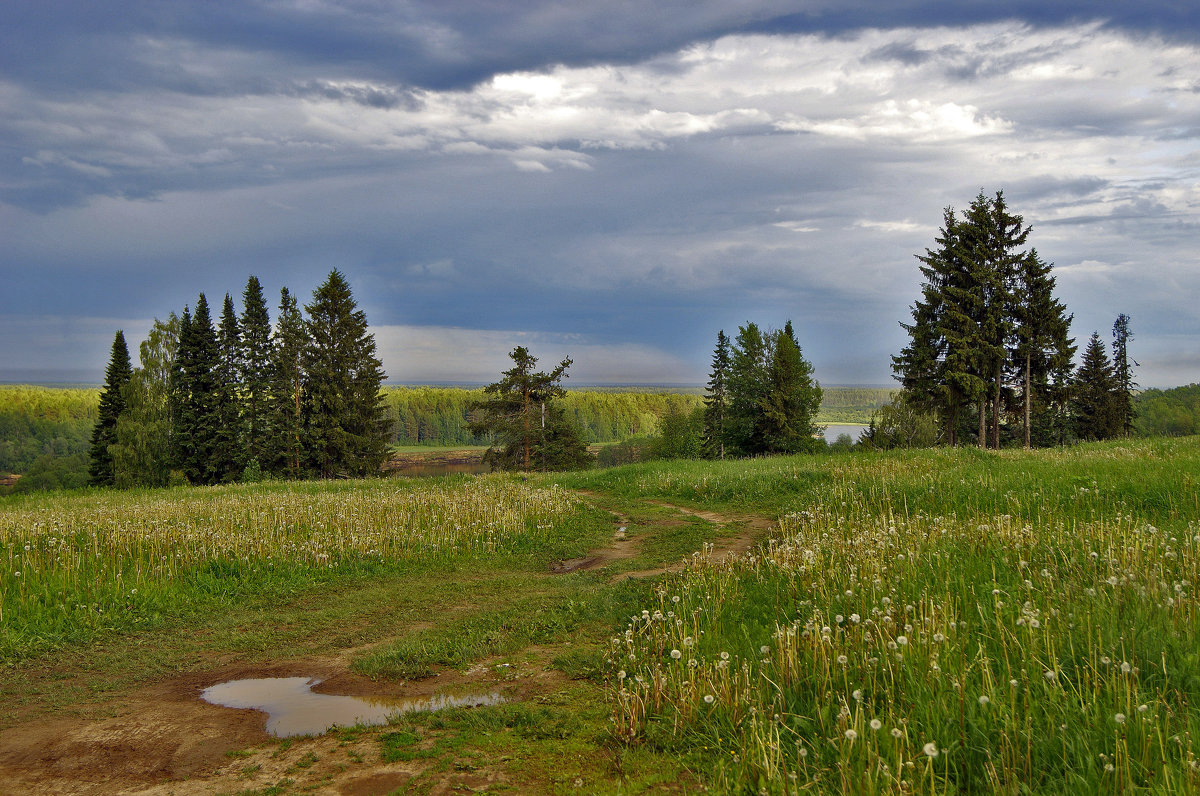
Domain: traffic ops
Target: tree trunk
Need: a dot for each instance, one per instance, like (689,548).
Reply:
(525,440)
(996,406)
(1028,400)
(983,423)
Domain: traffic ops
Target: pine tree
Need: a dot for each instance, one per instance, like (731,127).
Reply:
(792,399)
(228,454)
(345,421)
(1095,384)
(717,400)
(112,403)
(257,355)
(1123,371)
(530,431)
(286,420)
(141,455)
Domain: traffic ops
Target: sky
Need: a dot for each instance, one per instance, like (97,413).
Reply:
(609,181)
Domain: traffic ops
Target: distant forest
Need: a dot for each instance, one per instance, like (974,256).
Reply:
(47,423)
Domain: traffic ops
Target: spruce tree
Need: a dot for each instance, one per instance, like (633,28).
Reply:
(345,420)
(112,404)
(228,454)
(1095,384)
(792,399)
(1123,371)
(285,455)
(748,389)
(1043,348)
(195,419)
(256,358)
(716,402)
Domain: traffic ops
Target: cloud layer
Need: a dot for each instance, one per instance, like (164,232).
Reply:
(483,179)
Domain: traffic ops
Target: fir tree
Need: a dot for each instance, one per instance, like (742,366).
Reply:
(286,452)
(228,454)
(717,400)
(257,355)
(1123,372)
(1043,347)
(1095,384)
(195,419)
(345,422)
(792,399)
(748,389)
(112,404)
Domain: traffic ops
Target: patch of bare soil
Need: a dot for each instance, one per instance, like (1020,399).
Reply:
(753,528)
(163,739)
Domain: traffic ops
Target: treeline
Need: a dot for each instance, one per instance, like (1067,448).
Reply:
(241,399)
(439,416)
(1167,413)
(38,422)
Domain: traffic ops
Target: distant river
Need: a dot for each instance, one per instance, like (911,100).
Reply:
(834,429)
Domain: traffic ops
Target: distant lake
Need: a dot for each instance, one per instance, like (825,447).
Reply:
(834,429)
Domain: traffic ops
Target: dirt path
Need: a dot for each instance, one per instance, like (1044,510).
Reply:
(161,739)
(724,548)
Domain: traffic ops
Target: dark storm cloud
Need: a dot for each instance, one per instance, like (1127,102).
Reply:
(659,171)
(74,45)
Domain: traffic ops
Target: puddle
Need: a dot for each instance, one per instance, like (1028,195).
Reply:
(293,708)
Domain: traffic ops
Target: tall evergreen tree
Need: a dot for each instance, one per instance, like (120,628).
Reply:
(345,420)
(530,431)
(975,321)
(1123,371)
(716,402)
(195,418)
(790,404)
(286,419)
(1095,385)
(1043,348)
(749,385)
(228,454)
(141,456)
(256,359)
(112,403)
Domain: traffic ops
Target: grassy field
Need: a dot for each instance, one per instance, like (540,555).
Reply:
(919,622)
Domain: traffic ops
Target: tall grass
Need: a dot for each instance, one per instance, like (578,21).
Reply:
(937,622)
(73,565)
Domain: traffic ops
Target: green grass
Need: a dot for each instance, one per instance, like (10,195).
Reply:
(993,567)
(1015,622)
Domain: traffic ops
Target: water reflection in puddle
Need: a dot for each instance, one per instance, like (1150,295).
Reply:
(293,708)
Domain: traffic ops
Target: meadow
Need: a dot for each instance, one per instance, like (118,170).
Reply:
(74,565)
(933,621)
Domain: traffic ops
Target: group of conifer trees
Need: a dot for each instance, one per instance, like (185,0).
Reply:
(989,348)
(239,400)
(762,398)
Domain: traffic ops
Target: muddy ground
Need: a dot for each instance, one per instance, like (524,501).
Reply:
(161,738)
